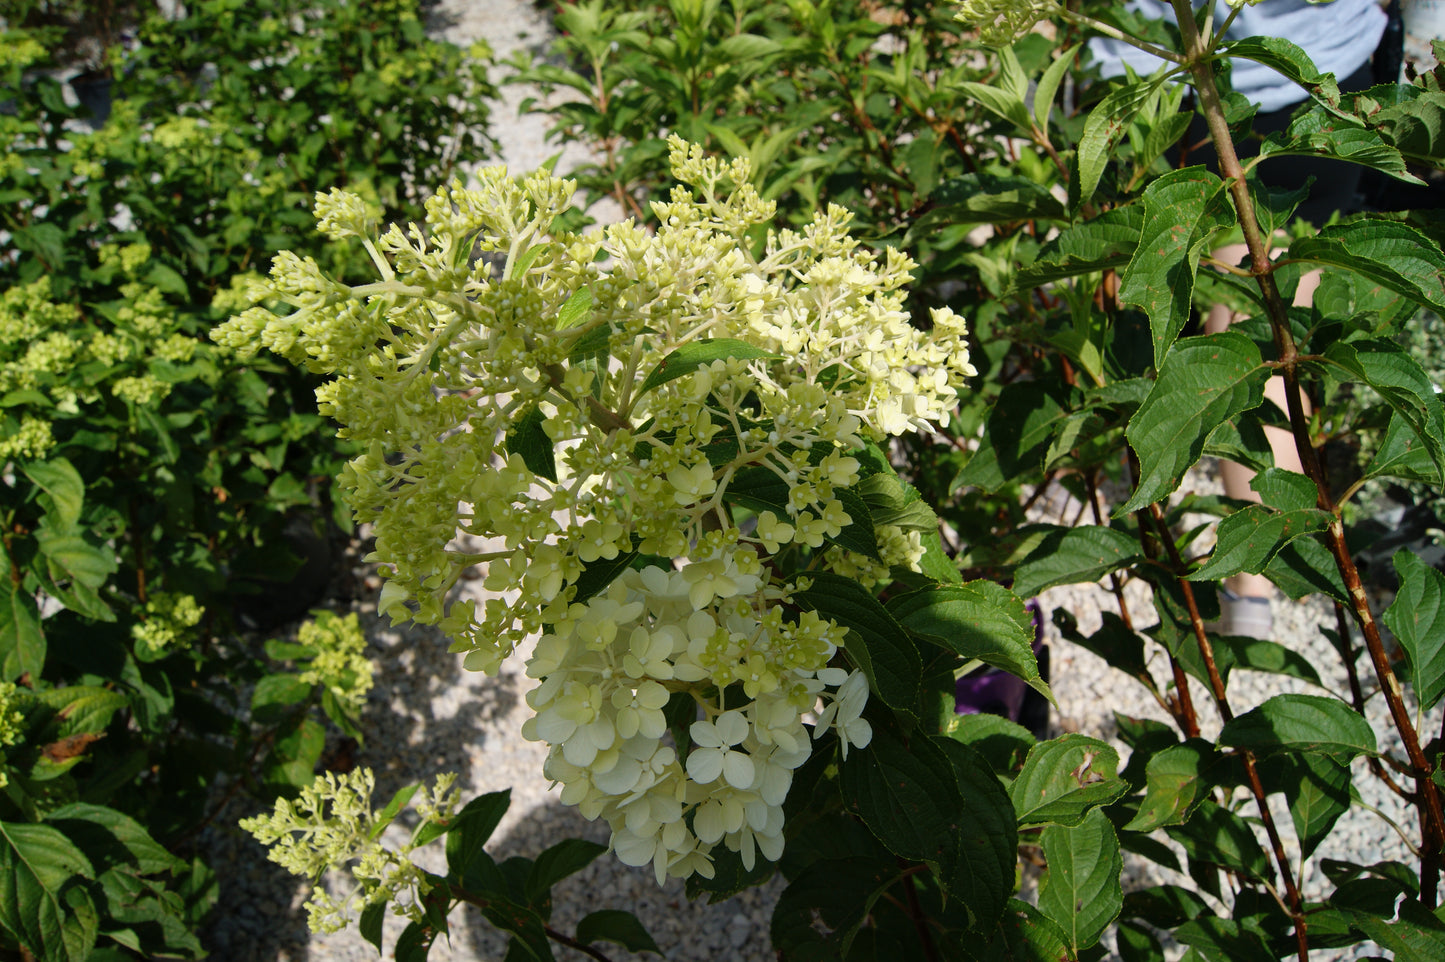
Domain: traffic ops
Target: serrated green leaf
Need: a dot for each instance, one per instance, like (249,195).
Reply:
(575,309)
(1416,935)
(1106,242)
(37,863)
(877,643)
(392,809)
(1303,567)
(557,862)
(470,830)
(978,868)
(1403,455)
(1250,538)
(22,642)
(1216,835)
(1317,789)
(372,917)
(70,556)
(1048,86)
(1019,429)
(274,694)
(1022,934)
(979,619)
(616,926)
(1001,743)
(59,479)
(1320,132)
(1081,891)
(1224,940)
(1106,125)
(1402,382)
(1301,723)
(1288,58)
(1389,253)
(1006,105)
(295,753)
(1183,210)
(1176,780)
(529,439)
(908,795)
(976,198)
(414,943)
(1065,777)
(1135,943)
(839,892)
(1418,621)
(81,708)
(701,353)
(1075,555)
(1204,382)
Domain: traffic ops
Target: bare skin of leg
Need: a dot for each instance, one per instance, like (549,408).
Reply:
(1236,477)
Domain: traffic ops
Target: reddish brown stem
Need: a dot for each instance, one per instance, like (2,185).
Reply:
(1432,819)
(1221,702)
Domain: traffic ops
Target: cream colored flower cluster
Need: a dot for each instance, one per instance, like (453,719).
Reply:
(586,401)
(1001,22)
(609,671)
(331,826)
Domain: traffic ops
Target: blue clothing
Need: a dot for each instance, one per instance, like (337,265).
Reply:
(1340,38)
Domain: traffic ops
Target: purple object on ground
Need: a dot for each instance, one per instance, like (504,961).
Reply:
(994,691)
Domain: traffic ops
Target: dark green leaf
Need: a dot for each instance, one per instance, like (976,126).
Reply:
(1402,382)
(1135,943)
(1105,126)
(1023,934)
(1303,567)
(877,643)
(1002,743)
(59,479)
(1176,780)
(1065,777)
(372,917)
(557,862)
(1073,555)
(701,353)
(1389,253)
(1317,789)
(1020,427)
(1417,619)
(619,927)
(1183,210)
(1106,242)
(1216,835)
(985,199)
(981,620)
(37,863)
(840,893)
(1223,940)
(109,838)
(908,796)
(529,439)
(22,642)
(1417,935)
(1164,906)
(1250,538)
(1080,891)
(470,830)
(978,869)
(1302,723)
(295,753)
(1204,382)
(274,693)
(414,943)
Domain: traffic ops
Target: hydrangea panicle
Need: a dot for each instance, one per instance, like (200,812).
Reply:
(582,401)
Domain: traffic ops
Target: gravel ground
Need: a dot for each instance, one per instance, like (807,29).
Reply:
(428,715)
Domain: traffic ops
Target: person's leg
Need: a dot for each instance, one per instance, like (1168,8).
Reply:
(1248,611)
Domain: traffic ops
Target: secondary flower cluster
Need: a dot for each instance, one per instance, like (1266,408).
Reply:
(653,431)
(331,826)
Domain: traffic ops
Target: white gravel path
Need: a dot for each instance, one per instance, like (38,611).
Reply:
(428,715)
